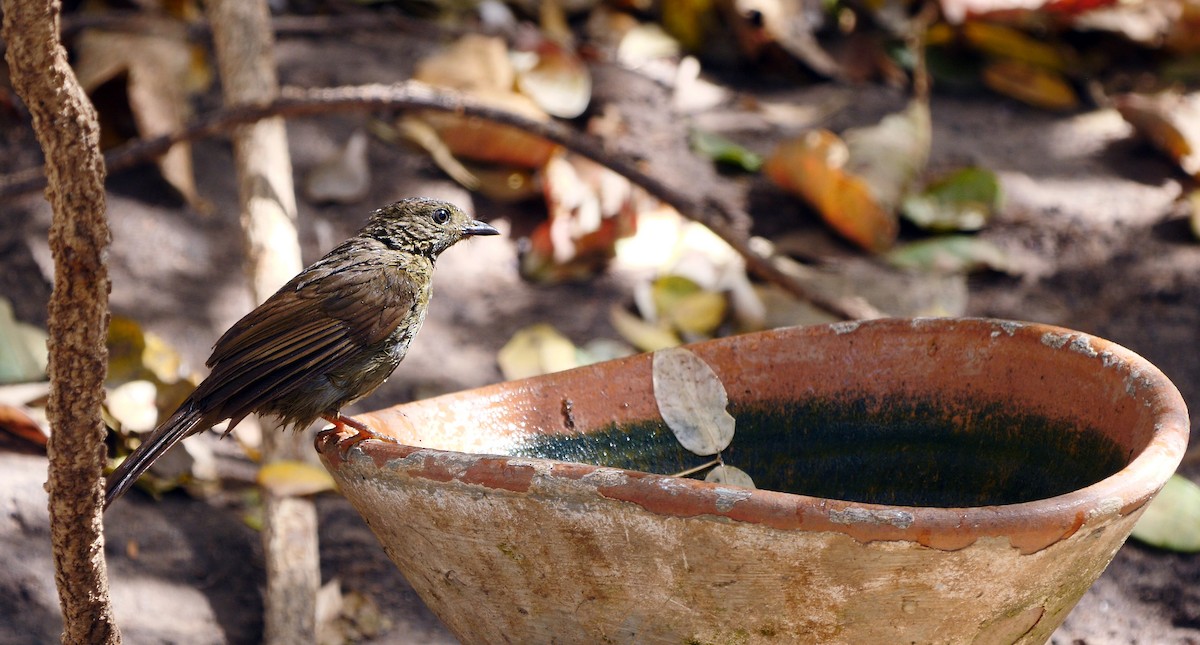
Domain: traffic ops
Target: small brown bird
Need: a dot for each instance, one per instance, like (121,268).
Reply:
(329,337)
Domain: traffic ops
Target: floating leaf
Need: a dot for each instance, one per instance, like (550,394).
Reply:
(294,478)
(725,474)
(722,150)
(951,254)
(1169,121)
(343,177)
(692,401)
(535,350)
(1172,521)
(648,337)
(1037,86)
(963,201)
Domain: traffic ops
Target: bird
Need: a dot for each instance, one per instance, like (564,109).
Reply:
(330,336)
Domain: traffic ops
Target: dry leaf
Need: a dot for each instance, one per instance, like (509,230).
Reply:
(1172,521)
(480,66)
(725,474)
(294,478)
(15,421)
(1170,121)
(23,352)
(590,208)
(890,155)
(1005,42)
(686,306)
(536,350)
(555,78)
(648,337)
(692,401)
(1037,86)
(813,168)
(159,72)
(134,405)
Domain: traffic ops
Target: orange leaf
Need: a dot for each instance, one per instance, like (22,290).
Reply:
(1030,84)
(813,168)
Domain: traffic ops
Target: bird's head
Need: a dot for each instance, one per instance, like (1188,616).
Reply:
(423,226)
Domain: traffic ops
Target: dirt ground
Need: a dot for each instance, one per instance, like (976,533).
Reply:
(1092,209)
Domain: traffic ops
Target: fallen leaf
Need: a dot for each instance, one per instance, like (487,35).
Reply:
(951,254)
(294,478)
(687,306)
(157,71)
(725,474)
(963,201)
(555,78)
(813,167)
(1172,521)
(891,154)
(1006,42)
(536,350)
(590,208)
(648,337)
(479,66)
(1036,86)
(16,422)
(23,352)
(723,151)
(692,401)
(1170,121)
(133,405)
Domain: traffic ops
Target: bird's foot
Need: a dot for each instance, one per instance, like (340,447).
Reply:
(362,432)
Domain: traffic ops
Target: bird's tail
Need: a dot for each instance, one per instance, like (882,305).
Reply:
(184,422)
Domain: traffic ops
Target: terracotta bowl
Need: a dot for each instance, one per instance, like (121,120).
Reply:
(924,481)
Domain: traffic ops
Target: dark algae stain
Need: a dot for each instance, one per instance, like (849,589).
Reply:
(883,451)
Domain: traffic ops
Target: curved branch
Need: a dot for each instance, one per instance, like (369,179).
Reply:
(296,102)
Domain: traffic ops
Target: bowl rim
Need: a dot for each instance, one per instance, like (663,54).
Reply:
(1030,526)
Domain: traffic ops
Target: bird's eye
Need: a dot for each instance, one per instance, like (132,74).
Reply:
(441,216)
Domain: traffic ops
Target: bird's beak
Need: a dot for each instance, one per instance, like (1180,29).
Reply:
(479,228)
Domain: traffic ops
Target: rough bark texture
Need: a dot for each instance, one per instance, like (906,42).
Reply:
(66,127)
(243,41)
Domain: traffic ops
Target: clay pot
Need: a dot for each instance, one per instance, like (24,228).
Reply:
(947,481)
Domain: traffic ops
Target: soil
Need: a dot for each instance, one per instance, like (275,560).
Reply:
(1092,210)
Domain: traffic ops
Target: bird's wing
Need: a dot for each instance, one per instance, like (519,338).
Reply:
(353,298)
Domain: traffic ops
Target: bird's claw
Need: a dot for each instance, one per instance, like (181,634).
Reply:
(362,432)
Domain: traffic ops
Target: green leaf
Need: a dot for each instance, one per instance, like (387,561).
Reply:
(1172,521)
(962,201)
(722,150)
(951,254)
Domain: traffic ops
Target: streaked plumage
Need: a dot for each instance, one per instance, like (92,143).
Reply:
(327,338)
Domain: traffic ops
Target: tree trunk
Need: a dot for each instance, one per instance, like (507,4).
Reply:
(66,127)
(243,41)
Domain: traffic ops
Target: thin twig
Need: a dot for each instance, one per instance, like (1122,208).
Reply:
(297,102)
